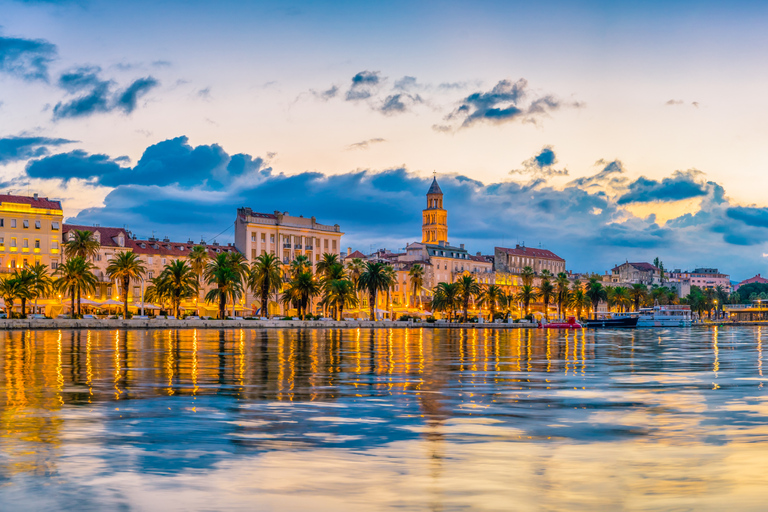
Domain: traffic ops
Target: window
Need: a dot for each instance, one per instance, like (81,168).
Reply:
(98,291)
(2,241)
(55,265)
(2,223)
(37,244)
(164,261)
(272,238)
(150,260)
(136,291)
(98,257)
(13,242)
(333,245)
(150,274)
(253,254)
(55,226)
(13,263)
(25,263)
(54,245)
(263,238)
(109,291)
(326,243)
(13,223)
(37,224)
(253,237)
(26,224)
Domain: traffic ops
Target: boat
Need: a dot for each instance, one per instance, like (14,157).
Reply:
(613,320)
(665,316)
(571,323)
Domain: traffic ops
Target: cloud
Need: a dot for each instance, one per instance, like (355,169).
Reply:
(96,94)
(541,165)
(27,59)
(76,164)
(407,83)
(681,185)
(508,101)
(364,85)
(14,149)
(366,143)
(399,103)
(674,103)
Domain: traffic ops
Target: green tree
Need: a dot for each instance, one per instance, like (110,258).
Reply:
(355,269)
(619,297)
(326,263)
(300,265)
(595,293)
(416,276)
(26,282)
(198,258)
(527,294)
(300,291)
(375,278)
(265,278)
(122,269)
(492,298)
(578,299)
(42,283)
(82,244)
(527,276)
(175,283)
(562,292)
(75,276)
(468,288)
(10,290)
(338,290)
(546,291)
(226,278)
(638,293)
(446,298)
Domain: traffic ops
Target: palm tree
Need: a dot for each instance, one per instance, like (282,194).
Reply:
(619,297)
(638,293)
(42,283)
(177,281)
(392,274)
(492,298)
(300,291)
(228,281)
(546,291)
(374,279)
(81,244)
(355,269)
(562,292)
(10,290)
(577,299)
(239,264)
(468,288)
(507,302)
(198,258)
(300,265)
(26,282)
(416,276)
(265,278)
(595,293)
(526,295)
(126,266)
(326,262)
(338,291)
(446,297)
(527,276)
(75,276)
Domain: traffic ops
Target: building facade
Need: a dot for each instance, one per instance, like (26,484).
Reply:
(704,278)
(757,279)
(634,273)
(513,261)
(30,232)
(285,236)
(434,224)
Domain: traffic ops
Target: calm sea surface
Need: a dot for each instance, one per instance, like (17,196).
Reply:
(384,419)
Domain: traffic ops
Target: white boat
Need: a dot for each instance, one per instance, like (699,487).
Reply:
(665,316)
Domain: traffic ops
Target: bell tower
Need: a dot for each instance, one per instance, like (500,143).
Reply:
(434,225)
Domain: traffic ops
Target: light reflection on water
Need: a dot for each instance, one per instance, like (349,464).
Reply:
(383,419)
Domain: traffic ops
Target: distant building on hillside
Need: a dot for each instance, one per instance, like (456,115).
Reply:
(633,273)
(757,279)
(704,278)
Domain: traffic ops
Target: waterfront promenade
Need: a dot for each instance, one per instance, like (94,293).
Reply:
(162,323)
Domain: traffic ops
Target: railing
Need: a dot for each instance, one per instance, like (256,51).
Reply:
(760,306)
(308,247)
(297,246)
(286,246)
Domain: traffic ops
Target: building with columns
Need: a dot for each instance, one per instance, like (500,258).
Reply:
(30,232)
(285,236)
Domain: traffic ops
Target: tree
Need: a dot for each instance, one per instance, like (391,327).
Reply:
(265,278)
(546,291)
(300,291)
(375,278)
(82,244)
(300,265)
(42,284)
(198,258)
(176,282)
(492,298)
(355,269)
(10,290)
(26,282)
(446,297)
(338,290)
(595,293)
(526,295)
(327,261)
(392,274)
(227,279)
(122,269)
(660,265)
(75,276)
(578,299)
(239,264)
(416,276)
(638,293)
(468,288)
(619,298)
(527,276)
(562,292)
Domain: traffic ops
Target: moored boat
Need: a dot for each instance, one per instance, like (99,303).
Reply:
(665,316)
(571,323)
(612,320)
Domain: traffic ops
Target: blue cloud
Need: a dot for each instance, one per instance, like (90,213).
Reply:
(749,215)
(97,95)
(681,185)
(13,149)
(363,85)
(75,164)
(27,59)
(541,165)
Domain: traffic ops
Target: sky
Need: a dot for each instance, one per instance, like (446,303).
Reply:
(604,131)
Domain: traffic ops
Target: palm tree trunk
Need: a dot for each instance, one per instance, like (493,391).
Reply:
(222,304)
(126,282)
(341,309)
(72,297)
(78,300)
(265,301)
(372,301)
(24,307)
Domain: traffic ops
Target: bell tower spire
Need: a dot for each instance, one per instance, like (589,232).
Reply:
(434,226)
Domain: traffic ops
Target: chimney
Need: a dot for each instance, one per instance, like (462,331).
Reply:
(478,253)
(461,246)
(34,195)
(349,251)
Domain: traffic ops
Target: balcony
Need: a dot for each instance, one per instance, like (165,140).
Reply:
(297,246)
(286,246)
(308,247)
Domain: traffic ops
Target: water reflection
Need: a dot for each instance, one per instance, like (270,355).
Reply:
(377,419)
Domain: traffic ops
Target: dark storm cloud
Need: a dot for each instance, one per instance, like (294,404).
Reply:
(27,59)
(75,164)
(13,149)
(749,215)
(95,93)
(681,185)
